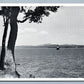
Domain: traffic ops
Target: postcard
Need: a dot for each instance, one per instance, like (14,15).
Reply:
(42,42)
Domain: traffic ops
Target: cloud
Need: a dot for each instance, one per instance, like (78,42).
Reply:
(33,30)
(29,30)
(43,32)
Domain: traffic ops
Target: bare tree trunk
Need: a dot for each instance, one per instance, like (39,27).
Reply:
(3,45)
(10,59)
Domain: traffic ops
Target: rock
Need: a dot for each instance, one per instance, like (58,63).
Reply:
(31,76)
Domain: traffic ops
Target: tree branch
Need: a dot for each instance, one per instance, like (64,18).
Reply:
(22,21)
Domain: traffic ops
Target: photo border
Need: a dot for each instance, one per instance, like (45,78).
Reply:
(42,79)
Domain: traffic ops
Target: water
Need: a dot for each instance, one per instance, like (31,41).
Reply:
(50,63)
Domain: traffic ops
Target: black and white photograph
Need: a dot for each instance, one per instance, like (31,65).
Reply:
(42,41)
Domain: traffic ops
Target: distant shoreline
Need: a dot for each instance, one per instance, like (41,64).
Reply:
(53,46)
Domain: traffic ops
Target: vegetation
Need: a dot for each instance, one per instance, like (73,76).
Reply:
(10,15)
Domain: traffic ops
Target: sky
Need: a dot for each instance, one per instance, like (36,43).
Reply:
(66,26)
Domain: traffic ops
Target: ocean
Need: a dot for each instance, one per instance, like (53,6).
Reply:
(50,62)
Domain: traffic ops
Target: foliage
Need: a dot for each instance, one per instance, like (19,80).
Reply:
(39,13)
(35,15)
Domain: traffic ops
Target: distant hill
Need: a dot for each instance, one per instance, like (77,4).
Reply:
(53,46)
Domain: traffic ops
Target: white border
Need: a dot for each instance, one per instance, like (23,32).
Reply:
(40,4)
(41,79)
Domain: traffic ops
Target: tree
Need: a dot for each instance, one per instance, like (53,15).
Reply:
(10,17)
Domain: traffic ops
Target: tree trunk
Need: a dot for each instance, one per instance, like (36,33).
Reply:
(10,58)
(10,65)
(3,45)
